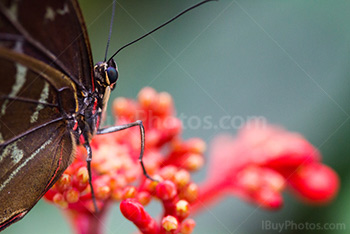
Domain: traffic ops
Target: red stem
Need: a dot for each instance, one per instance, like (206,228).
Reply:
(87,223)
(209,194)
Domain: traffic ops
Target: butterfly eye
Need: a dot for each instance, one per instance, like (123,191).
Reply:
(112,74)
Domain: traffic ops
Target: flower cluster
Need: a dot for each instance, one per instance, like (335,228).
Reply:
(261,162)
(256,166)
(117,175)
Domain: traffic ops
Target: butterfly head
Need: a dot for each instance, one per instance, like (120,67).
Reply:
(106,74)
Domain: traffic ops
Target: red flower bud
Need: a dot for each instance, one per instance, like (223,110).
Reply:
(187,226)
(170,223)
(182,178)
(194,162)
(64,182)
(129,192)
(165,104)
(315,183)
(143,197)
(72,195)
(150,185)
(117,194)
(148,98)
(59,200)
(81,179)
(168,172)
(135,212)
(196,146)
(166,190)
(190,192)
(124,108)
(102,192)
(182,209)
(268,199)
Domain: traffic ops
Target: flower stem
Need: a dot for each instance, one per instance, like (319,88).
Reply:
(87,223)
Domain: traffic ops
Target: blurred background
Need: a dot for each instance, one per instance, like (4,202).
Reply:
(285,61)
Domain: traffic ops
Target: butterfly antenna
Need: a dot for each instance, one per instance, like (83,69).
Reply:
(110,29)
(161,26)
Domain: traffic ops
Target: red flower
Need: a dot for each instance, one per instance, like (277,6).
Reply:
(256,166)
(117,175)
(261,162)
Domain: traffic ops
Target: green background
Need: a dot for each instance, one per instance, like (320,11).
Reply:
(286,61)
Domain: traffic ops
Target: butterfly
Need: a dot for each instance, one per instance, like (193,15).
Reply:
(51,98)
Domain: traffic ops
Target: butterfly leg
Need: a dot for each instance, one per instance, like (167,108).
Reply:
(88,161)
(142,133)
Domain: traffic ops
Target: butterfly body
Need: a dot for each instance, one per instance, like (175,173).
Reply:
(51,98)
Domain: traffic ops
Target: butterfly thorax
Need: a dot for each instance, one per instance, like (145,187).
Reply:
(94,103)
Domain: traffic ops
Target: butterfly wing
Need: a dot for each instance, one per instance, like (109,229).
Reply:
(36,142)
(45,63)
(29,167)
(51,31)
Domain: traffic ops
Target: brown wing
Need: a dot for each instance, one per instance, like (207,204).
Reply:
(29,167)
(50,30)
(32,94)
(36,142)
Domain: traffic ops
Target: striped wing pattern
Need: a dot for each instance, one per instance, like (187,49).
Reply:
(57,31)
(33,163)
(41,73)
(35,143)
